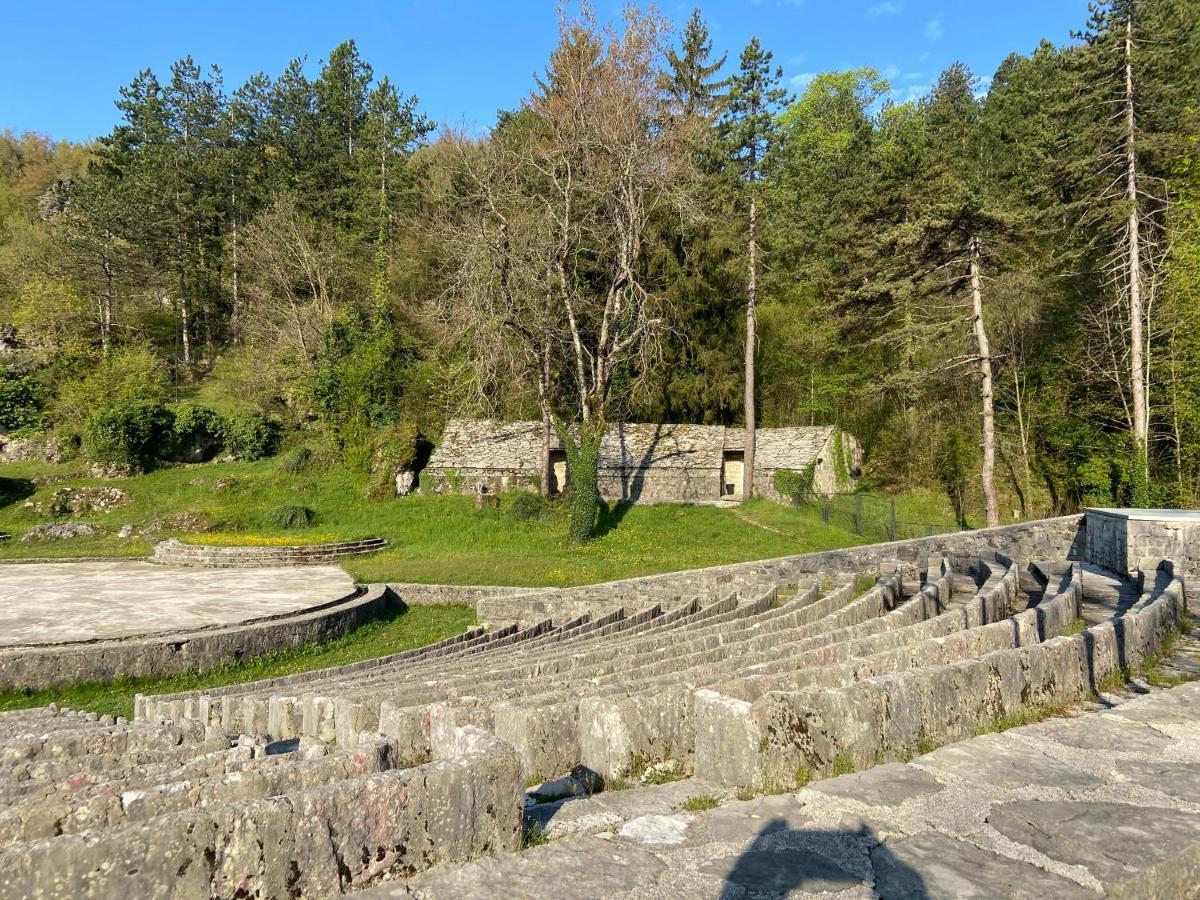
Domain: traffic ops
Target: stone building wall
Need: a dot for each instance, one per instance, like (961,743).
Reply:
(1124,540)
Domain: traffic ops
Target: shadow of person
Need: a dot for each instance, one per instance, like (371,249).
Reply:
(782,859)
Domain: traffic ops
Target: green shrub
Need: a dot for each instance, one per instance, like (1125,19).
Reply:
(297,461)
(250,435)
(131,433)
(795,486)
(289,517)
(528,507)
(393,450)
(20,401)
(195,433)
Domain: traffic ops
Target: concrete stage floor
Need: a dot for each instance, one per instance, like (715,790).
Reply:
(52,603)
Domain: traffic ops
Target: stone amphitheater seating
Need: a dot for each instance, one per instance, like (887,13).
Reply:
(319,783)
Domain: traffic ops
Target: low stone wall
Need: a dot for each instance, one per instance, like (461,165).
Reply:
(1060,538)
(323,841)
(469,594)
(176,553)
(33,668)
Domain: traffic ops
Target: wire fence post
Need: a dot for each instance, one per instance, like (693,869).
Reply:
(858,525)
(892,523)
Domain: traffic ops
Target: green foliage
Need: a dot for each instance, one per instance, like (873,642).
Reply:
(583,489)
(795,486)
(528,507)
(21,401)
(841,466)
(290,517)
(843,764)
(196,432)
(130,433)
(1097,478)
(395,449)
(250,435)
(128,375)
(953,466)
(701,802)
(296,461)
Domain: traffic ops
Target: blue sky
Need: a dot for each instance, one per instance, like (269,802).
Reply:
(63,64)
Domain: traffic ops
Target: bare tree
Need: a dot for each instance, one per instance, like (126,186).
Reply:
(561,209)
(292,278)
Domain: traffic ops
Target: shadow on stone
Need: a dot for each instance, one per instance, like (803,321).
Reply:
(782,859)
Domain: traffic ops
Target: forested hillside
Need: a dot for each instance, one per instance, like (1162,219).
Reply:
(995,287)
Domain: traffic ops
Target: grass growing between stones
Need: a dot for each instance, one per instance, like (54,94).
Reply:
(843,764)
(1030,715)
(393,633)
(1078,626)
(533,836)
(432,539)
(700,802)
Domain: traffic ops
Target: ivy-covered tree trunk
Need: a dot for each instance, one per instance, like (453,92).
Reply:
(583,464)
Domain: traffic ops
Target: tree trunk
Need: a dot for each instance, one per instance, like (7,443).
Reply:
(984,357)
(236,265)
(583,465)
(1027,498)
(1137,383)
(751,312)
(547,420)
(186,330)
(106,309)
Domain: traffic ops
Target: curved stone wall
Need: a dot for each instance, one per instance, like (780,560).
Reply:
(176,553)
(199,650)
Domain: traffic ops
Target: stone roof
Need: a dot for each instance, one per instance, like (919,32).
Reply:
(782,448)
(489,444)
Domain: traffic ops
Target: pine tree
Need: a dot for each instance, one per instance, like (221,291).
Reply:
(689,79)
(749,129)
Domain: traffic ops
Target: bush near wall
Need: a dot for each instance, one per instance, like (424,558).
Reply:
(795,486)
(250,435)
(394,450)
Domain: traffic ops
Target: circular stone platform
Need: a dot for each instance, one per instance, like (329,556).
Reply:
(53,603)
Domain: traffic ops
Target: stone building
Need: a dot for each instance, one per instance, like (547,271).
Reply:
(654,463)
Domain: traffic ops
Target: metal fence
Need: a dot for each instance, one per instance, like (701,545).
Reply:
(872,516)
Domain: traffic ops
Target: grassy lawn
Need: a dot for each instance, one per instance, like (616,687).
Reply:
(433,539)
(415,627)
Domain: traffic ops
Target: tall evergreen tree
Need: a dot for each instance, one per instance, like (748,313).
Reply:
(749,129)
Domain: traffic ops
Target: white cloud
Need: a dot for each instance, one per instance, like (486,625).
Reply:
(933,30)
(889,72)
(803,80)
(885,8)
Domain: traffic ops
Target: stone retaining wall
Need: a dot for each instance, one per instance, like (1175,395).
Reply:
(176,553)
(1060,538)
(34,668)
(318,842)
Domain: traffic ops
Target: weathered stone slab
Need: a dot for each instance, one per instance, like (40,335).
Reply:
(1178,780)
(1101,732)
(887,785)
(1131,850)
(932,866)
(1006,761)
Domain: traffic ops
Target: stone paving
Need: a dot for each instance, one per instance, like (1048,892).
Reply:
(1107,803)
(50,603)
